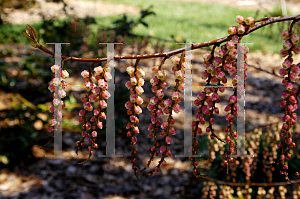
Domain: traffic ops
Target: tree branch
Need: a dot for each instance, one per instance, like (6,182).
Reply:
(266,21)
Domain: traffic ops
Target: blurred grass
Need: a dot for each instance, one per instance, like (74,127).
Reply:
(185,21)
(199,22)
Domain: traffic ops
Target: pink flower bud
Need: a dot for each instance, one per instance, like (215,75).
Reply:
(178,75)
(160,93)
(214,81)
(288,141)
(128,105)
(220,75)
(168,140)
(204,109)
(150,107)
(139,90)
(105,94)
(236,79)
(133,140)
(239,19)
(214,96)
(217,61)
(133,80)
(212,120)
(296,49)
(175,96)
(154,81)
(282,157)
(227,139)
(102,104)
(232,52)
(163,149)
(193,124)
(285,118)
(232,71)
(293,99)
(197,102)
(53,122)
(241,29)
(98,70)
(283,53)
(249,21)
(232,99)
(55,68)
(210,68)
(52,109)
(208,130)
(103,84)
(165,85)
(176,108)
(287,45)
(64,74)
(172,131)
(155,69)
(282,72)
(295,69)
(204,75)
(138,110)
(228,117)
(181,87)
(201,96)
(289,86)
(139,100)
(285,35)
(132,98)
(107,76)
(56,102)
(237,106)
(231,30)
(94,133)
(140,73)
(221,89)
(295,39)
(206,56)
(160,75)
(136,129)
(286,64)
(164,125)
(85,73)
(235,134)
(175,60)
(88,125)
(51,88)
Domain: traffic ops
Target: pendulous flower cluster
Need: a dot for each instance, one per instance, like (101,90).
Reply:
(96,84)
(135,85)
(61,85)
(291,73)
(158,106)
(215,75)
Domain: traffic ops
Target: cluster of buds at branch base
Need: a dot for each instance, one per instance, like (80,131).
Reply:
(135,84)
(61,85)
(291,73)
(96,84)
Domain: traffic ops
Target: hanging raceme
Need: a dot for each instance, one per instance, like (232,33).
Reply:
(97,93)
